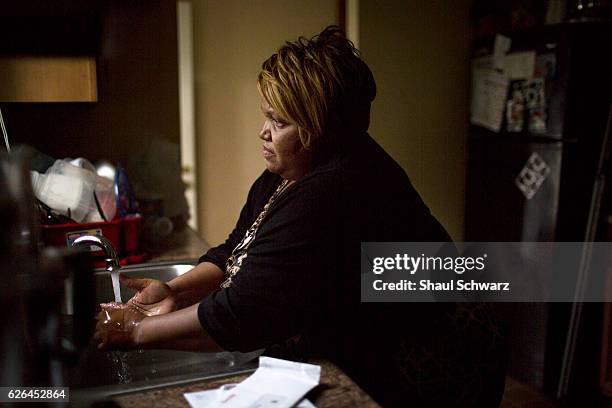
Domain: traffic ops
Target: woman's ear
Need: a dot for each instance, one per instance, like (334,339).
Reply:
(305,137)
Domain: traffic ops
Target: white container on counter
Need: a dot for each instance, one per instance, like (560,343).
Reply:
(105,193)
(67,189)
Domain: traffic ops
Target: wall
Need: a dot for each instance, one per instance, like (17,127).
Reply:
(231,40)
(418,51)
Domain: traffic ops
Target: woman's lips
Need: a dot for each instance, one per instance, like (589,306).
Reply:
(266,152)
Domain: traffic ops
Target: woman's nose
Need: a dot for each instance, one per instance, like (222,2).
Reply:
(264,133)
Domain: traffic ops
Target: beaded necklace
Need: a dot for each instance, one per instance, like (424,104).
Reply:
(234,262)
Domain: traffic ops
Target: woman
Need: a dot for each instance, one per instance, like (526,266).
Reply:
(287,278)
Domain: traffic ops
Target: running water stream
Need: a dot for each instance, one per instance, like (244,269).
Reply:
(119,358)
(116,286)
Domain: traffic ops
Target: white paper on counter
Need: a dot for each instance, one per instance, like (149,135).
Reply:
(520,65)
(276,383)
(489,92)
(203,399)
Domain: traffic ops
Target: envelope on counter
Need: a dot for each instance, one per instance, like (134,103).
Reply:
(276,383)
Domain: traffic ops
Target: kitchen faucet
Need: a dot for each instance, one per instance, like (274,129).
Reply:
(112,263)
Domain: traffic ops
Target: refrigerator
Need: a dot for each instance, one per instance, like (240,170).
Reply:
(538,173)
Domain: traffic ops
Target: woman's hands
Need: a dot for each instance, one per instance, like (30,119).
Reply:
(153,297)
(121,326)
(160,315)
(118,326)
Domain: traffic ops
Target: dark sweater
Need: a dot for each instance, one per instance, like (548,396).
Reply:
(298,291)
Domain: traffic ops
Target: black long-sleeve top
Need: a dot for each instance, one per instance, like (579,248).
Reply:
(301,277)
(302,270)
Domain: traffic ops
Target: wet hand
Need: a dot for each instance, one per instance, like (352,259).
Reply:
(153,297)
(118,326)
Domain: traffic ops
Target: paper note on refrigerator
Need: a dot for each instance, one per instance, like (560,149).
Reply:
(532,175)
(501,47)
(520,65)
(489,92)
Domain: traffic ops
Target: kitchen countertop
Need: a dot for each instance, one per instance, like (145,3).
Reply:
(336,390)
(179,246)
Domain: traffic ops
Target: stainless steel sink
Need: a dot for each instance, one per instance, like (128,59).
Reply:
(103,374)
(161,271)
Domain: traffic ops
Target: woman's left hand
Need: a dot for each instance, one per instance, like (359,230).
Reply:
(118,326)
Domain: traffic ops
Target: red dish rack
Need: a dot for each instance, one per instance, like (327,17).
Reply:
(123,233)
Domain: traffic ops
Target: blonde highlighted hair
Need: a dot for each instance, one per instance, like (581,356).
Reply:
(320,84)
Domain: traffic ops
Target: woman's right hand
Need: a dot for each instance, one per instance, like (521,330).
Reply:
(153,297)
(118,326)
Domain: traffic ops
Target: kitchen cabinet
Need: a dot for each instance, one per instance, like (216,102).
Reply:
(51,55)
(131,46)
(35,78)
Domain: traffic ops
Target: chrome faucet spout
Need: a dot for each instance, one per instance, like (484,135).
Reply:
(112,262)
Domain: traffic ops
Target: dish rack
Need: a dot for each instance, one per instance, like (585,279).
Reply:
(123,233)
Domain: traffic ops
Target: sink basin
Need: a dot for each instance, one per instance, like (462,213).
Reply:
(160,271)
(103,374)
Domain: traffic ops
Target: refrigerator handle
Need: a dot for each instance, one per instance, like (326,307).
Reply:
(582,279)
